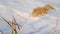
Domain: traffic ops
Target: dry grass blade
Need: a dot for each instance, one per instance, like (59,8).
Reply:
(14,30)
(14,24)
(14,12)
(8,22)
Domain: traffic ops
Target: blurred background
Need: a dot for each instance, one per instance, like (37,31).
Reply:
(42,25)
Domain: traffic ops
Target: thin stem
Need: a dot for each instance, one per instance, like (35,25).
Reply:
(8,22)
(18,14)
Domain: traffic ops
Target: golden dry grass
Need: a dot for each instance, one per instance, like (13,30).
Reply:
(12,24)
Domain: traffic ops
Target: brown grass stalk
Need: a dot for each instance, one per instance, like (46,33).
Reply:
(13,24)
(8,22)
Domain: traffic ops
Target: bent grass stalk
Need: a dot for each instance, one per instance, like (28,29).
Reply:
(13,25)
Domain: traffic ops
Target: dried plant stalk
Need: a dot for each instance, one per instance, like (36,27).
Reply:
(23,18)
(13,25)
(14,29)
(8,22)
